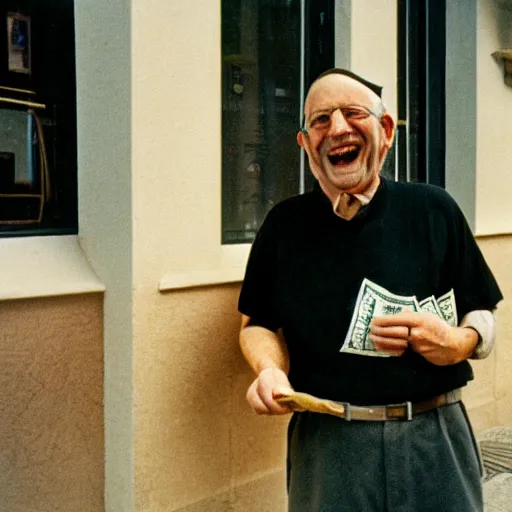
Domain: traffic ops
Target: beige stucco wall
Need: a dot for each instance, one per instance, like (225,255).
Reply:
(197,445)
(494,121)
(51,404)
(489,396)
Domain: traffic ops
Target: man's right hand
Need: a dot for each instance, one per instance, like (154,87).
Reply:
(269,383)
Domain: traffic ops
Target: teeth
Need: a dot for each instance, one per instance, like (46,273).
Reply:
(343,150)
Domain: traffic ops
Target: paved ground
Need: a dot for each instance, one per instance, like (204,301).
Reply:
(498,493)
(496,447)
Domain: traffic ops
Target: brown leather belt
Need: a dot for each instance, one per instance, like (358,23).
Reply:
(403,411)
(301,402)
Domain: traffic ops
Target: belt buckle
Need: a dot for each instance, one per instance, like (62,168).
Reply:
(346,408)
(401,411)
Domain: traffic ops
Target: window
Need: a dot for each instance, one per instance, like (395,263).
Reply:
(271,52)
(38,169)
(420,142)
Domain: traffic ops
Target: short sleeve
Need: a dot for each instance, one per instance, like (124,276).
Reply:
(475,286)
(256,297)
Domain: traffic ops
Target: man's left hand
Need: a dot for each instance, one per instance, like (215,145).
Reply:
(425,333)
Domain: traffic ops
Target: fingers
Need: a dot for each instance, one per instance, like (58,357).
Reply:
(393,339)
(263,391)
(257,404)
(391,346)
(405,318)
(393,331)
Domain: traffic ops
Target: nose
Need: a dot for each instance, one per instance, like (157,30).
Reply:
(339,125)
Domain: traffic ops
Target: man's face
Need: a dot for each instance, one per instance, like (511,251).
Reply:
(346,145)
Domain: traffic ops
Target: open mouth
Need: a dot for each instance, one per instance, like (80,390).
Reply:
(344,154)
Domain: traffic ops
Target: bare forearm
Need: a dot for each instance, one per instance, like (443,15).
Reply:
(466,340)
(263,348)
(267,355)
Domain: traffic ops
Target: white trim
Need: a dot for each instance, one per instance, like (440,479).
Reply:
(196,278)
(44,267)
(232,261)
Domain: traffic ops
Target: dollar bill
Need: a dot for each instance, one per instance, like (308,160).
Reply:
(373,300)
(430,305)
(448,308)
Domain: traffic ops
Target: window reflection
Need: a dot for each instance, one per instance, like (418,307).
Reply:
(261,48)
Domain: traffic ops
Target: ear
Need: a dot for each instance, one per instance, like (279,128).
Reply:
(300,139)
(388,124)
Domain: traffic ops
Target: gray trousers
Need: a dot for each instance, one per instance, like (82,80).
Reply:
(428,464)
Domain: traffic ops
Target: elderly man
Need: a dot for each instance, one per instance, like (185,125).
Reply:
(353,293)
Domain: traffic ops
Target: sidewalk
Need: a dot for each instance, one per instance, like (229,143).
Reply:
(496,448)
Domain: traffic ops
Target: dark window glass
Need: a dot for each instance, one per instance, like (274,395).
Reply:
(265,68)
(38,169)
(420,140)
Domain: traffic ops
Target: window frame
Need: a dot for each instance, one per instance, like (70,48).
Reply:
(50,90)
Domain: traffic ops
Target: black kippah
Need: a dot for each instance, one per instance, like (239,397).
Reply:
(377,89)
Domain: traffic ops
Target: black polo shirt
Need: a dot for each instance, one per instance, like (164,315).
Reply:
(306,267)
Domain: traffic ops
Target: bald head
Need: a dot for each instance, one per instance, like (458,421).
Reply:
(377,89)
(335,89)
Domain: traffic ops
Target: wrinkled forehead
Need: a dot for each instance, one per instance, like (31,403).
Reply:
(335,90)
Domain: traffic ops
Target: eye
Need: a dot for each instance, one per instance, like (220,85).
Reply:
(355,113)
(321,120)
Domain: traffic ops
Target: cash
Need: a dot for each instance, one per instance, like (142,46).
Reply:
(300,402)
(430,305)
(374,300)
(448,308)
